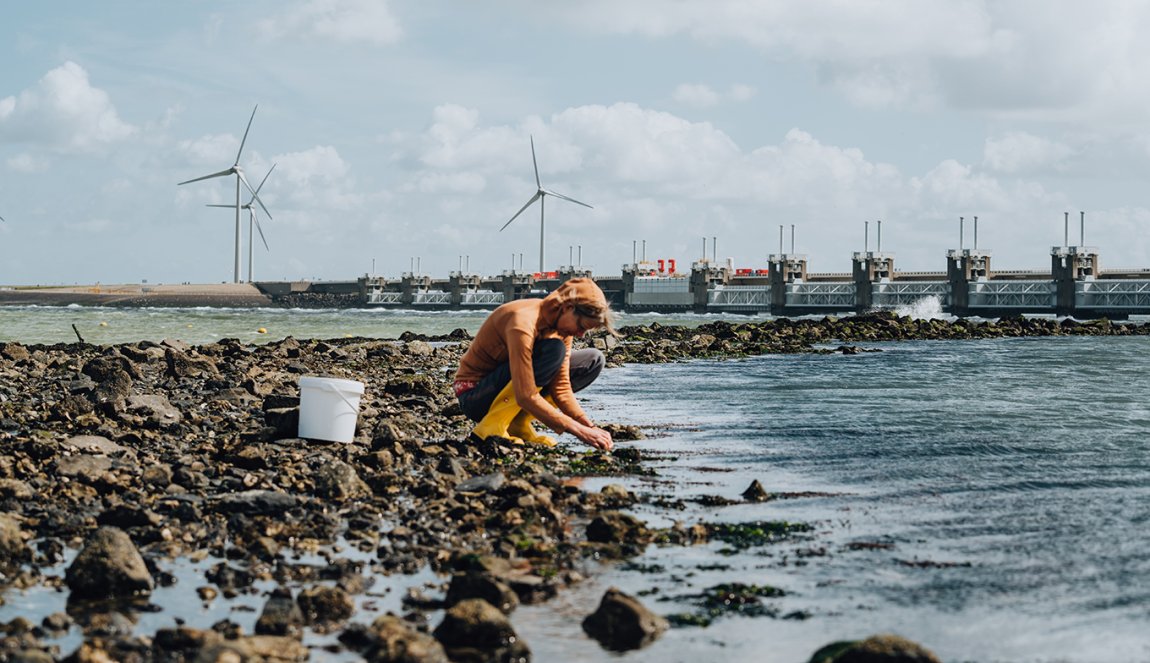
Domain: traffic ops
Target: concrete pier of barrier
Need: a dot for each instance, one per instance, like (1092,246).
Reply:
(1075,286)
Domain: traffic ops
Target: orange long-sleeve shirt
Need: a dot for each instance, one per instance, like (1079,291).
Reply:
(509,335)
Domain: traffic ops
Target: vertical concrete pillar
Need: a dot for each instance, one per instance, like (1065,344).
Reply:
(410,285)
(1062,272)
(868,268)
(455,288)
(963,267)
(703,276)
(958,282)
(370,286)
(569,272)
(861,276)
(407,289)
(784,269)
(629,272)
(515,284)
(460,284)
(1068,266)
(777,269)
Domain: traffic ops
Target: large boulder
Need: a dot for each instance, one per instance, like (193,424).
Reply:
(109,566)
(395,641)
(324,607)
(475,630)
(621,622)
(481,585)
(113,380)
(188,644)
(618,527)
(13,550)
(339,482)
(281,616)
(875,649)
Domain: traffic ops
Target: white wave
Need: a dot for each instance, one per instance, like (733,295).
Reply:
(927,308)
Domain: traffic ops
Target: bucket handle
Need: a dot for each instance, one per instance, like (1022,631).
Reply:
(330,387)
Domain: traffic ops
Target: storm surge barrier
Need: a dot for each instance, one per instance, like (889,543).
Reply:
(1075,286)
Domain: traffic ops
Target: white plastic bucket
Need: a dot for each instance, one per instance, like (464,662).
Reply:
(328,408)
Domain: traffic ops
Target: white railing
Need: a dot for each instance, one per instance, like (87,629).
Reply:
(840,295)
(1112,294)
(482,298)
(740,296)
(893,294)
(431,298)
(1012,294)
(383,297)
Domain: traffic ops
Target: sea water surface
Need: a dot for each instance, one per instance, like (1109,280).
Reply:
(989,499)
(197,325)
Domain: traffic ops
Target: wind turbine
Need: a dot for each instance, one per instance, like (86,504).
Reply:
(540,194)
(240,179)
(253,220)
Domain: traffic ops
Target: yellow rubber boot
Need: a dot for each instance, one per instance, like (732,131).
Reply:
(502,411)
(521,428)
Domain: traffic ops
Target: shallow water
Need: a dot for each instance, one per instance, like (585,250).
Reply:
(985,498)
(1005,481)
(110,325)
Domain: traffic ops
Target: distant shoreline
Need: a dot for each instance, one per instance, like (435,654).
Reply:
(221,295)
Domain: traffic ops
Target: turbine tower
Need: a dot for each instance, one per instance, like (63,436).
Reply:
(240,179)
(540,194)
(253,220)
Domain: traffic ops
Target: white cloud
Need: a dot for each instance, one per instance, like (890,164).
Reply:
(878,52)
(885,85)
(63,112)
(28,163)
(338,20)
(321,164)
(742,92)
(805,181)
(468,183)
(317,178)
(93,226)
(1019,151)
(1040,59)
(214,149)
(697,95)
(634,144)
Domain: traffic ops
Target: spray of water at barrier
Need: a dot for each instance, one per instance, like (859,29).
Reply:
(927,308)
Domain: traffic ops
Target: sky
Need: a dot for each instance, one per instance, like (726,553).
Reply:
(401,132)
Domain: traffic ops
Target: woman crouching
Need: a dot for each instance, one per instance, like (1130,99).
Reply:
(520,367)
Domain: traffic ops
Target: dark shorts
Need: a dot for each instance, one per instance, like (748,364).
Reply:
(547,359)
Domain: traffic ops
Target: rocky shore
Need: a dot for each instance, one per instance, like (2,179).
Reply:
(119,462)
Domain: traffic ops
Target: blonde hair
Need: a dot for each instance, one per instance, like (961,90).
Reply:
(603,315)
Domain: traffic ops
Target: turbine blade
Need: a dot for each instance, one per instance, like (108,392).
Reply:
(228,206)
(229,171)
(245,138)
(535,163)
(265,179)
(567,198)
(257,220)
(537,196)
(255,196)
(2,219)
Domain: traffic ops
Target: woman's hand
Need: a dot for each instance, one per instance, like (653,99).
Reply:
(593,436)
